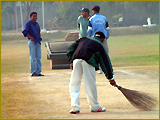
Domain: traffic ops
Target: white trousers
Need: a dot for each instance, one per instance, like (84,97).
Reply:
(82,67)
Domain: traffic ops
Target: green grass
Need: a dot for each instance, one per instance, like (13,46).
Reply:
(54,36)
(127,50)
(134,50)
(133,30)
(45,36)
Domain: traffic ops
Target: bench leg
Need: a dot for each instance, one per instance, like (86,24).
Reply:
(51,64)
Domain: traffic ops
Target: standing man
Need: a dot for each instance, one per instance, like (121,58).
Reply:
(84,55)
(31,30)
(97,23)
(83,22)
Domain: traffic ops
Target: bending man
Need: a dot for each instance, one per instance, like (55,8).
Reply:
(85,55)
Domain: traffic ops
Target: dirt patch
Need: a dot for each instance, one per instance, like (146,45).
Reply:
(53,89)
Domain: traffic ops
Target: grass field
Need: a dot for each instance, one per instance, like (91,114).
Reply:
(134,50)
(127,50)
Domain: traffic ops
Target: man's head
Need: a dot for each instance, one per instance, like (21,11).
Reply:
(33,16)
(100,35)
(84,12)
(95,9)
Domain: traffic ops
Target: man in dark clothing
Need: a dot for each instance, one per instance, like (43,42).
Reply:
(85,55)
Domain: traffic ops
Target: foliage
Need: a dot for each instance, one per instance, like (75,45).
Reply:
(66,12)
(116,17)
(151,7)
(9,8)
(110,9)
(63,6)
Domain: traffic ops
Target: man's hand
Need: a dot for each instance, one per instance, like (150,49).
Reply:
(112,82)
(32,39)
(71,66)
(29,37)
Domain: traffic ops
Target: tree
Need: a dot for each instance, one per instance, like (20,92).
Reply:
(9,9)
(151,8)
(68,11)
(27,8)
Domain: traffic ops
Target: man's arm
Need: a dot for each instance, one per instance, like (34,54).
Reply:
(107,28)
(71,50)
(106,66)
(26,31)
(29,37)
(89,31)
(107,25)
(78,25)
(105,63)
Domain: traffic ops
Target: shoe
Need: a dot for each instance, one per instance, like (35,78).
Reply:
(99,110)
(40,74)
(99,71)
(74,111)
(34,74)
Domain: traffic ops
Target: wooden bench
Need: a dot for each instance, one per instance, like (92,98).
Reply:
(57,54)
(57,51)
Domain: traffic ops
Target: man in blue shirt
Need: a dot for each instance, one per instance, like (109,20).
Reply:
(97,23)
(31,30)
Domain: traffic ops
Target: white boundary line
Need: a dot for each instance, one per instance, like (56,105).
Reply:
(126,72)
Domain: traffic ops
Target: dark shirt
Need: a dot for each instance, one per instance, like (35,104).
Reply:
(93,52)
(33,30)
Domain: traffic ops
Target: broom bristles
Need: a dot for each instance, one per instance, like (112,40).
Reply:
(140,100)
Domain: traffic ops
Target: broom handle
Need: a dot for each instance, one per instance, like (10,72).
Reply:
(119,87)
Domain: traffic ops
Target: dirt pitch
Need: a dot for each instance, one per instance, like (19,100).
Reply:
(53,89)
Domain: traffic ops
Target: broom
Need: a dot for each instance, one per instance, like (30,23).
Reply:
(140,100)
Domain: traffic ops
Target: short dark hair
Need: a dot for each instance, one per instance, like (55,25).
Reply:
(96,8)
(99,34)
(33,13)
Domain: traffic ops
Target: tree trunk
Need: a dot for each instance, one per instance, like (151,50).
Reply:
(28,10)
(13,15)
(123,13)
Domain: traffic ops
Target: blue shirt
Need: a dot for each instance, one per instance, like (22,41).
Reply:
(33,30)
(97,23)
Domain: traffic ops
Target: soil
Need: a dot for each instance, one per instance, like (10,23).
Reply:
(53,89)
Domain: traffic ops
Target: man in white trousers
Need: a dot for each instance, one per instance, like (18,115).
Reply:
(85,54)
